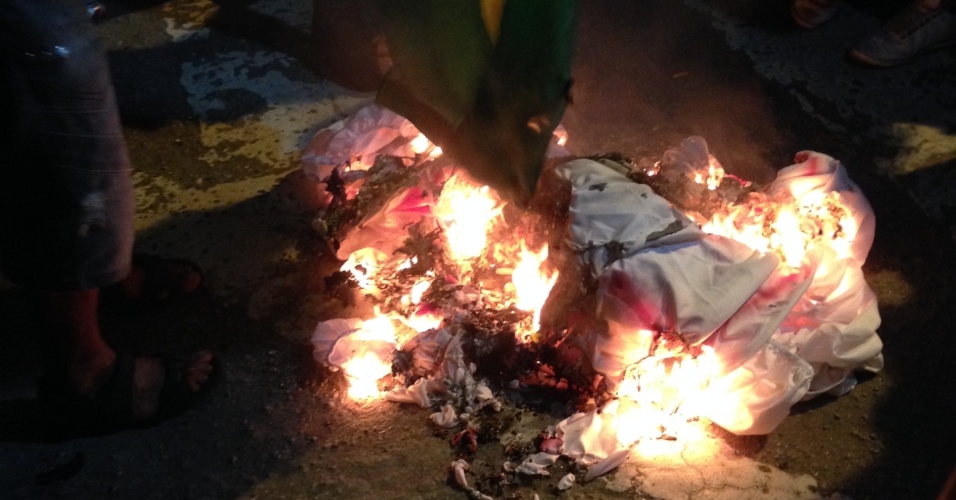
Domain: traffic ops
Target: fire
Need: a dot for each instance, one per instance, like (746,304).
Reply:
(367,365)
(560,136)
(787,238)
(406,264)
(465,210)
(789,227)
(663,390)
(693,445)
(418,289)
(420,145)
(363,264)
(414,295)
(667,379)
(423,319)
(532,284)
(363,372)
(712,177)
(668,385)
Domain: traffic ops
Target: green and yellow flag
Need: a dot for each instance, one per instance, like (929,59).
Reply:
(487,80)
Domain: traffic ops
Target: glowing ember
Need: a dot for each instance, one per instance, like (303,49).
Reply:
(560,136)
(465,211)
(532,285)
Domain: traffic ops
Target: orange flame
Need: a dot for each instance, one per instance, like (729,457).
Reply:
(662,391)
(532,284)
(423,320)
(419,289)
(712,177)
(363,372)
(364,264)
(465,211)
(787,238)
(420,144)
(364,369)
(789,227)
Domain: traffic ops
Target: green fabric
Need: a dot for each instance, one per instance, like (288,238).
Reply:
(441,51)
(492,108)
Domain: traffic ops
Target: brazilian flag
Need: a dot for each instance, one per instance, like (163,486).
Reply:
(487,80)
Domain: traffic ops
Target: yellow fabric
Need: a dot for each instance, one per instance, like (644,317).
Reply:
(491,11)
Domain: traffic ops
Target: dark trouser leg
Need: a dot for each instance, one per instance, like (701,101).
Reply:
(66,200)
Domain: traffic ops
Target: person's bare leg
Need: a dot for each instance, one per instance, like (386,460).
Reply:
(72,345)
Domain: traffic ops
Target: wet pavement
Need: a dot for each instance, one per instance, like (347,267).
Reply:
(218,100)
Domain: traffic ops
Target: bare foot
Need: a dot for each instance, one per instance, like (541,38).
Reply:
(149,377)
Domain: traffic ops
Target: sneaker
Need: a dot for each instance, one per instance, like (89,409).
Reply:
(913,32)
(95,9)
(812,13)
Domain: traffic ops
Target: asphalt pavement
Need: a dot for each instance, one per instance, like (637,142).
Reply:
(219,99)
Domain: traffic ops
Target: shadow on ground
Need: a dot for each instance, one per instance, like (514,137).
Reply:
(250,426)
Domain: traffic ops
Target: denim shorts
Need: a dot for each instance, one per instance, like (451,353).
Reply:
(66,195)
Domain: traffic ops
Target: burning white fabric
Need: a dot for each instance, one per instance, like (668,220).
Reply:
(717,302)
(763,331)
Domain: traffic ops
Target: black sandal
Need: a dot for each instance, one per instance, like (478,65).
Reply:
(164,278)
(177,396)
(111,409)
(159,279)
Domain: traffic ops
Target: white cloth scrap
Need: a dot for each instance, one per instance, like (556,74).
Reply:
(417,393)
(371,131)
(537,464)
